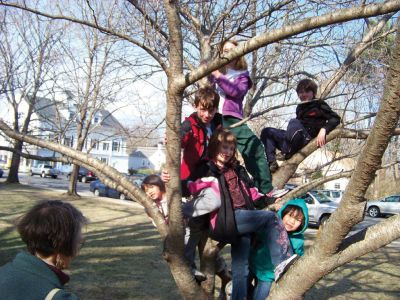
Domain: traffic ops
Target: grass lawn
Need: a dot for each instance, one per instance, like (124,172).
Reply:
(121,258)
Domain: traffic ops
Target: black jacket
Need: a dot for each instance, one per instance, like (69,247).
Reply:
(225,229)
(315,115)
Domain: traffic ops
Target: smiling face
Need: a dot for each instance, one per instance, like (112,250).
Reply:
(205,114)
(153,192)
(292,220)
(225,152)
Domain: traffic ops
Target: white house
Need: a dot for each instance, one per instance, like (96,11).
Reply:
(147,157)
(321,157)
(105,140)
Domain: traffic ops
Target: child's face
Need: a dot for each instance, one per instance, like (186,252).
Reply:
(153,192)
(292,221)
(205,114)
(228,46)
(305,95)
(225,153)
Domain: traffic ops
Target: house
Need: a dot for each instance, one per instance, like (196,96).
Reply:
(55,121)
(319,158)
(147,157)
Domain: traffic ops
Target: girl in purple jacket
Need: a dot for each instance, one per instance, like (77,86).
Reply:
(233,82)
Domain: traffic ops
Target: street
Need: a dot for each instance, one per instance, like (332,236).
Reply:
(58,184)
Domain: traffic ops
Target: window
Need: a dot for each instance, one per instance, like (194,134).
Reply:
(106,146)
(96,120)
(337,186)
(115,146)
(103,159)
(95,144)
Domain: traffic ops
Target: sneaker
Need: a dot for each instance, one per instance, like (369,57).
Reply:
(199,276)
(228,290)
(273,166)
(280,156)
(284,266)
(277,193)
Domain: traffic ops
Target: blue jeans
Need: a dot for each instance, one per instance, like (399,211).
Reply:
(249,222)
(261,290)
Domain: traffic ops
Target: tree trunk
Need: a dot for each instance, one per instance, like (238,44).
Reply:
(73,179)
(325,255)
(15,160)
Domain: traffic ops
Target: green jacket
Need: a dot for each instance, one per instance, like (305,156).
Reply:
(260,258)
(28,277)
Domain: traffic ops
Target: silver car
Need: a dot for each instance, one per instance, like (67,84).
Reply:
(387,206)
(333,195)
(320,207)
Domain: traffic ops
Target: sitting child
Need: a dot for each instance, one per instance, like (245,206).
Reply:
(313,119)
(294,215)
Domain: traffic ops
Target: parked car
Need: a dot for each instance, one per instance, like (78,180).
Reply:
(137,178)
(320,207)
(1,172)
(333,195)
(84,175)
(45,170)
(387,206)
(100,189)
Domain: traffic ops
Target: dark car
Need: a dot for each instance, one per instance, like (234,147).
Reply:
(84,175)
(100,189)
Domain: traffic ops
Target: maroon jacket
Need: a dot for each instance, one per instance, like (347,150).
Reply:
(194,142)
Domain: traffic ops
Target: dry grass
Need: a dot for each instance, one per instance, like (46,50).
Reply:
(121,258)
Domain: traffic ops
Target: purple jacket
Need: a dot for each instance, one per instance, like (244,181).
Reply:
(233,87)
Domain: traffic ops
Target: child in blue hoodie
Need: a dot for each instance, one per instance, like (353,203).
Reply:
(294,215)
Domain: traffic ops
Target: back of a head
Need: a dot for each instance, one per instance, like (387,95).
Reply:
(52,227)
(207,98)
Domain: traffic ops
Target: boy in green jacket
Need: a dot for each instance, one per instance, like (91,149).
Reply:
(294,215)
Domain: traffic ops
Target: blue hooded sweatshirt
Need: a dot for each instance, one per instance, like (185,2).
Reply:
(260,258)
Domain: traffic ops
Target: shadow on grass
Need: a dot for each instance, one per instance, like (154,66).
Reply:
(365,278)
(121,258)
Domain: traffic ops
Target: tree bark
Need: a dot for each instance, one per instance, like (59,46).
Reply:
(352,207)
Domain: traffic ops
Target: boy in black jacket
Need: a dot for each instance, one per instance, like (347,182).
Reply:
(313,119)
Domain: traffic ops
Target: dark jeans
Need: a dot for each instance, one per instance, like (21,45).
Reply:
(249,222)
(287,141)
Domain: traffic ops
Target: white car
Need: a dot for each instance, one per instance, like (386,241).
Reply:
(45,170)
(387,206)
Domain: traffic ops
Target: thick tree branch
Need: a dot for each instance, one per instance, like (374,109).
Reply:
(341,15)
(352,206)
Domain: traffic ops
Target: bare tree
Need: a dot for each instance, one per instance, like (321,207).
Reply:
(27,61)
(171,22)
